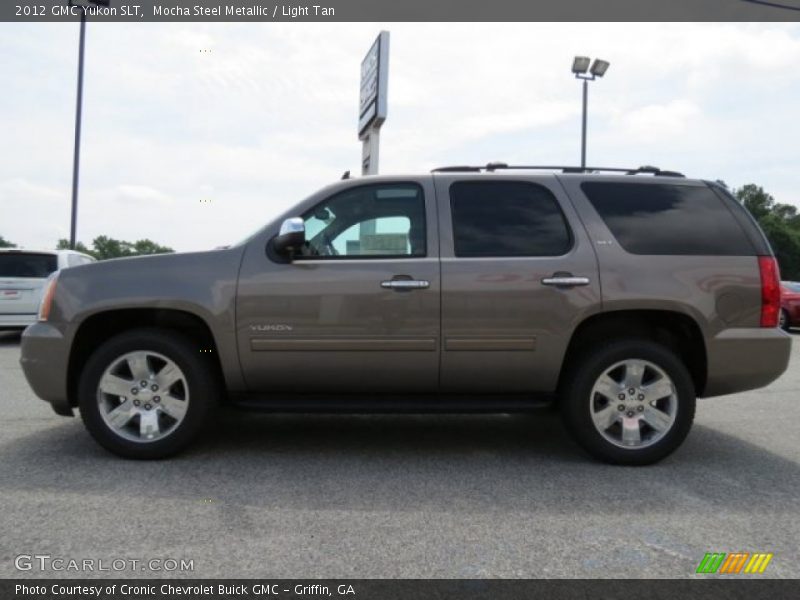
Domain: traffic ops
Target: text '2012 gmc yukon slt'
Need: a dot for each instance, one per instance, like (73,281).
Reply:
(621,296)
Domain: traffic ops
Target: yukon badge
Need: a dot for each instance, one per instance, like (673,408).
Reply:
(271,327)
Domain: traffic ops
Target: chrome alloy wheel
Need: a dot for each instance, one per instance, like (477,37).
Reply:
(633,404)
(143,396)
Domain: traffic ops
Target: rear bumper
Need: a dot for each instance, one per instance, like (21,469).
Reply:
(746,359)
(15,320)
(44,359)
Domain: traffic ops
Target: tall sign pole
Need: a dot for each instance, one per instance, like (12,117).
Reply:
(82,6)
(76,156)
(372,107)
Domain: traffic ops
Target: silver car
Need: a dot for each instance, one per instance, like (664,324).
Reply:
(23,274)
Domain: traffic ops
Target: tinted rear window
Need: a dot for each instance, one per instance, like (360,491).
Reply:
(650,218)
(14,264)
(507,218)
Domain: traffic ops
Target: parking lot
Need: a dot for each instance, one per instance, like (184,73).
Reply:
(403,496)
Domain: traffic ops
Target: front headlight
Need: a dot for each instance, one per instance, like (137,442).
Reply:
(47,297)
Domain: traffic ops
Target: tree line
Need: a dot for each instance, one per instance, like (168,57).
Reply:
(781,225)
(104,247)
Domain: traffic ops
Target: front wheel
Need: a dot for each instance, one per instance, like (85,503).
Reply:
(629,402)
(146,393)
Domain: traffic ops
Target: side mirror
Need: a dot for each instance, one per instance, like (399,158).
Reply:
(291,236)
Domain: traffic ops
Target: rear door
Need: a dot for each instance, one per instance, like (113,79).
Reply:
(22,276)
(518,275)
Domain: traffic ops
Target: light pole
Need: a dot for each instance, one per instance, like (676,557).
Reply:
(580,66)
(81,5)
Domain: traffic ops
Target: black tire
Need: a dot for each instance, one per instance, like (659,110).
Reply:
(785,323)
(577,389)
(200,378)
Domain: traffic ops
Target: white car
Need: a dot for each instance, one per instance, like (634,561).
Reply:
(23,274)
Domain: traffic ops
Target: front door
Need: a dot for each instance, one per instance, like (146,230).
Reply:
(358,309)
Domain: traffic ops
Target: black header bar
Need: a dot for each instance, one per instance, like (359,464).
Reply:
(705,587)
(133,11)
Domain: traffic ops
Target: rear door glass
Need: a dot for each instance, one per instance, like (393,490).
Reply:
(507,218)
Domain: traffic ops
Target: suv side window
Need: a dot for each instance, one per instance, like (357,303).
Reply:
(507,218)
(664,219)
(369,221)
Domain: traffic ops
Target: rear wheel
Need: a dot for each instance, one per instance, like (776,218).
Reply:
(146,393)
(629,402)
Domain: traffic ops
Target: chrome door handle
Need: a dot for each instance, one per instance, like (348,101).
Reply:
(406,284)
(565,281)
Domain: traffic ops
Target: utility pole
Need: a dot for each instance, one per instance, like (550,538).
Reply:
(76,156)
(82,6)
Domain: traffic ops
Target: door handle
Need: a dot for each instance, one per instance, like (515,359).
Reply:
(405,284)
(565,280)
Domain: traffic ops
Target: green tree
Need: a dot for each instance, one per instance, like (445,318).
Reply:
(150,247)
(105,247)
(63,244)
(4,243)
(756,200)
(781,225)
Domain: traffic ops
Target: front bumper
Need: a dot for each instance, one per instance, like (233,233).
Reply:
(45,359)
(746,359)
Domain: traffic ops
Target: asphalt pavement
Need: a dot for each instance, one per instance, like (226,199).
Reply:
(399,496)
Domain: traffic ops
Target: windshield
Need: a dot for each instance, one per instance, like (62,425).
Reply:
(27,264)
(792,286)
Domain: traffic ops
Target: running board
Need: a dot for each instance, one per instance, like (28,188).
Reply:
(386,403)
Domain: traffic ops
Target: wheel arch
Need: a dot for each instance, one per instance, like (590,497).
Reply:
(675,330)
(99,327)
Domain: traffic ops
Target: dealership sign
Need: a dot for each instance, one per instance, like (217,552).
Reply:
(372,106)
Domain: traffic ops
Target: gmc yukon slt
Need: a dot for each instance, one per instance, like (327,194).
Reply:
(620,296)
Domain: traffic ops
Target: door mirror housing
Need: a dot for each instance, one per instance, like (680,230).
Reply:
(291,236)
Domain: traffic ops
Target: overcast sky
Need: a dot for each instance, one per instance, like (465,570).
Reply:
(268,114)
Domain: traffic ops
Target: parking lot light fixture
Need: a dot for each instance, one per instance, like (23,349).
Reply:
(580,66)
(599,67)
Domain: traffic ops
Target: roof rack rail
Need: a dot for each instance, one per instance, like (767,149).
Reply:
(496,166)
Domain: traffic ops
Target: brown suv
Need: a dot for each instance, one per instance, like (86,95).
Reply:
(622,296)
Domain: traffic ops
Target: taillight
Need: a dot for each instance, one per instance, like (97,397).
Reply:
(770,291)
(47,297)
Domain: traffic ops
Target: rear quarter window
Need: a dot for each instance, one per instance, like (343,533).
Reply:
(649,218)
(27,265)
